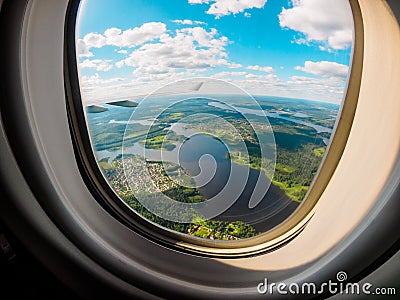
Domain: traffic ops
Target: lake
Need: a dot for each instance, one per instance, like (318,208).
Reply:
(213,174)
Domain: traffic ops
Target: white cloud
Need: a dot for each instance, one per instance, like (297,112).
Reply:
(95,88)
(116,37)
(328,89)
(319,86)
(198,1)
(327,21)
(269,77)
(320,89)
(98,64)
(160,57)
(96,80)
(120,64)
(135,36)
(300,41)
(243,78)
(266,69)
(188,49)
(83,49)
(183,22)
(188,22)
(221,8)
(229,74)
(157,80)
(232,65)
(325,69)
(94,40)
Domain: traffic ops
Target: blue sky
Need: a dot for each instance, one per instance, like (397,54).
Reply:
(298,48)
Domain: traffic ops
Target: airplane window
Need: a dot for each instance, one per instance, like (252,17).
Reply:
(211,118)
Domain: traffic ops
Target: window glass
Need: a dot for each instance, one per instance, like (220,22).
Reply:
(210,117)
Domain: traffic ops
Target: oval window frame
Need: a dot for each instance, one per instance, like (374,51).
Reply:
(263,242)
